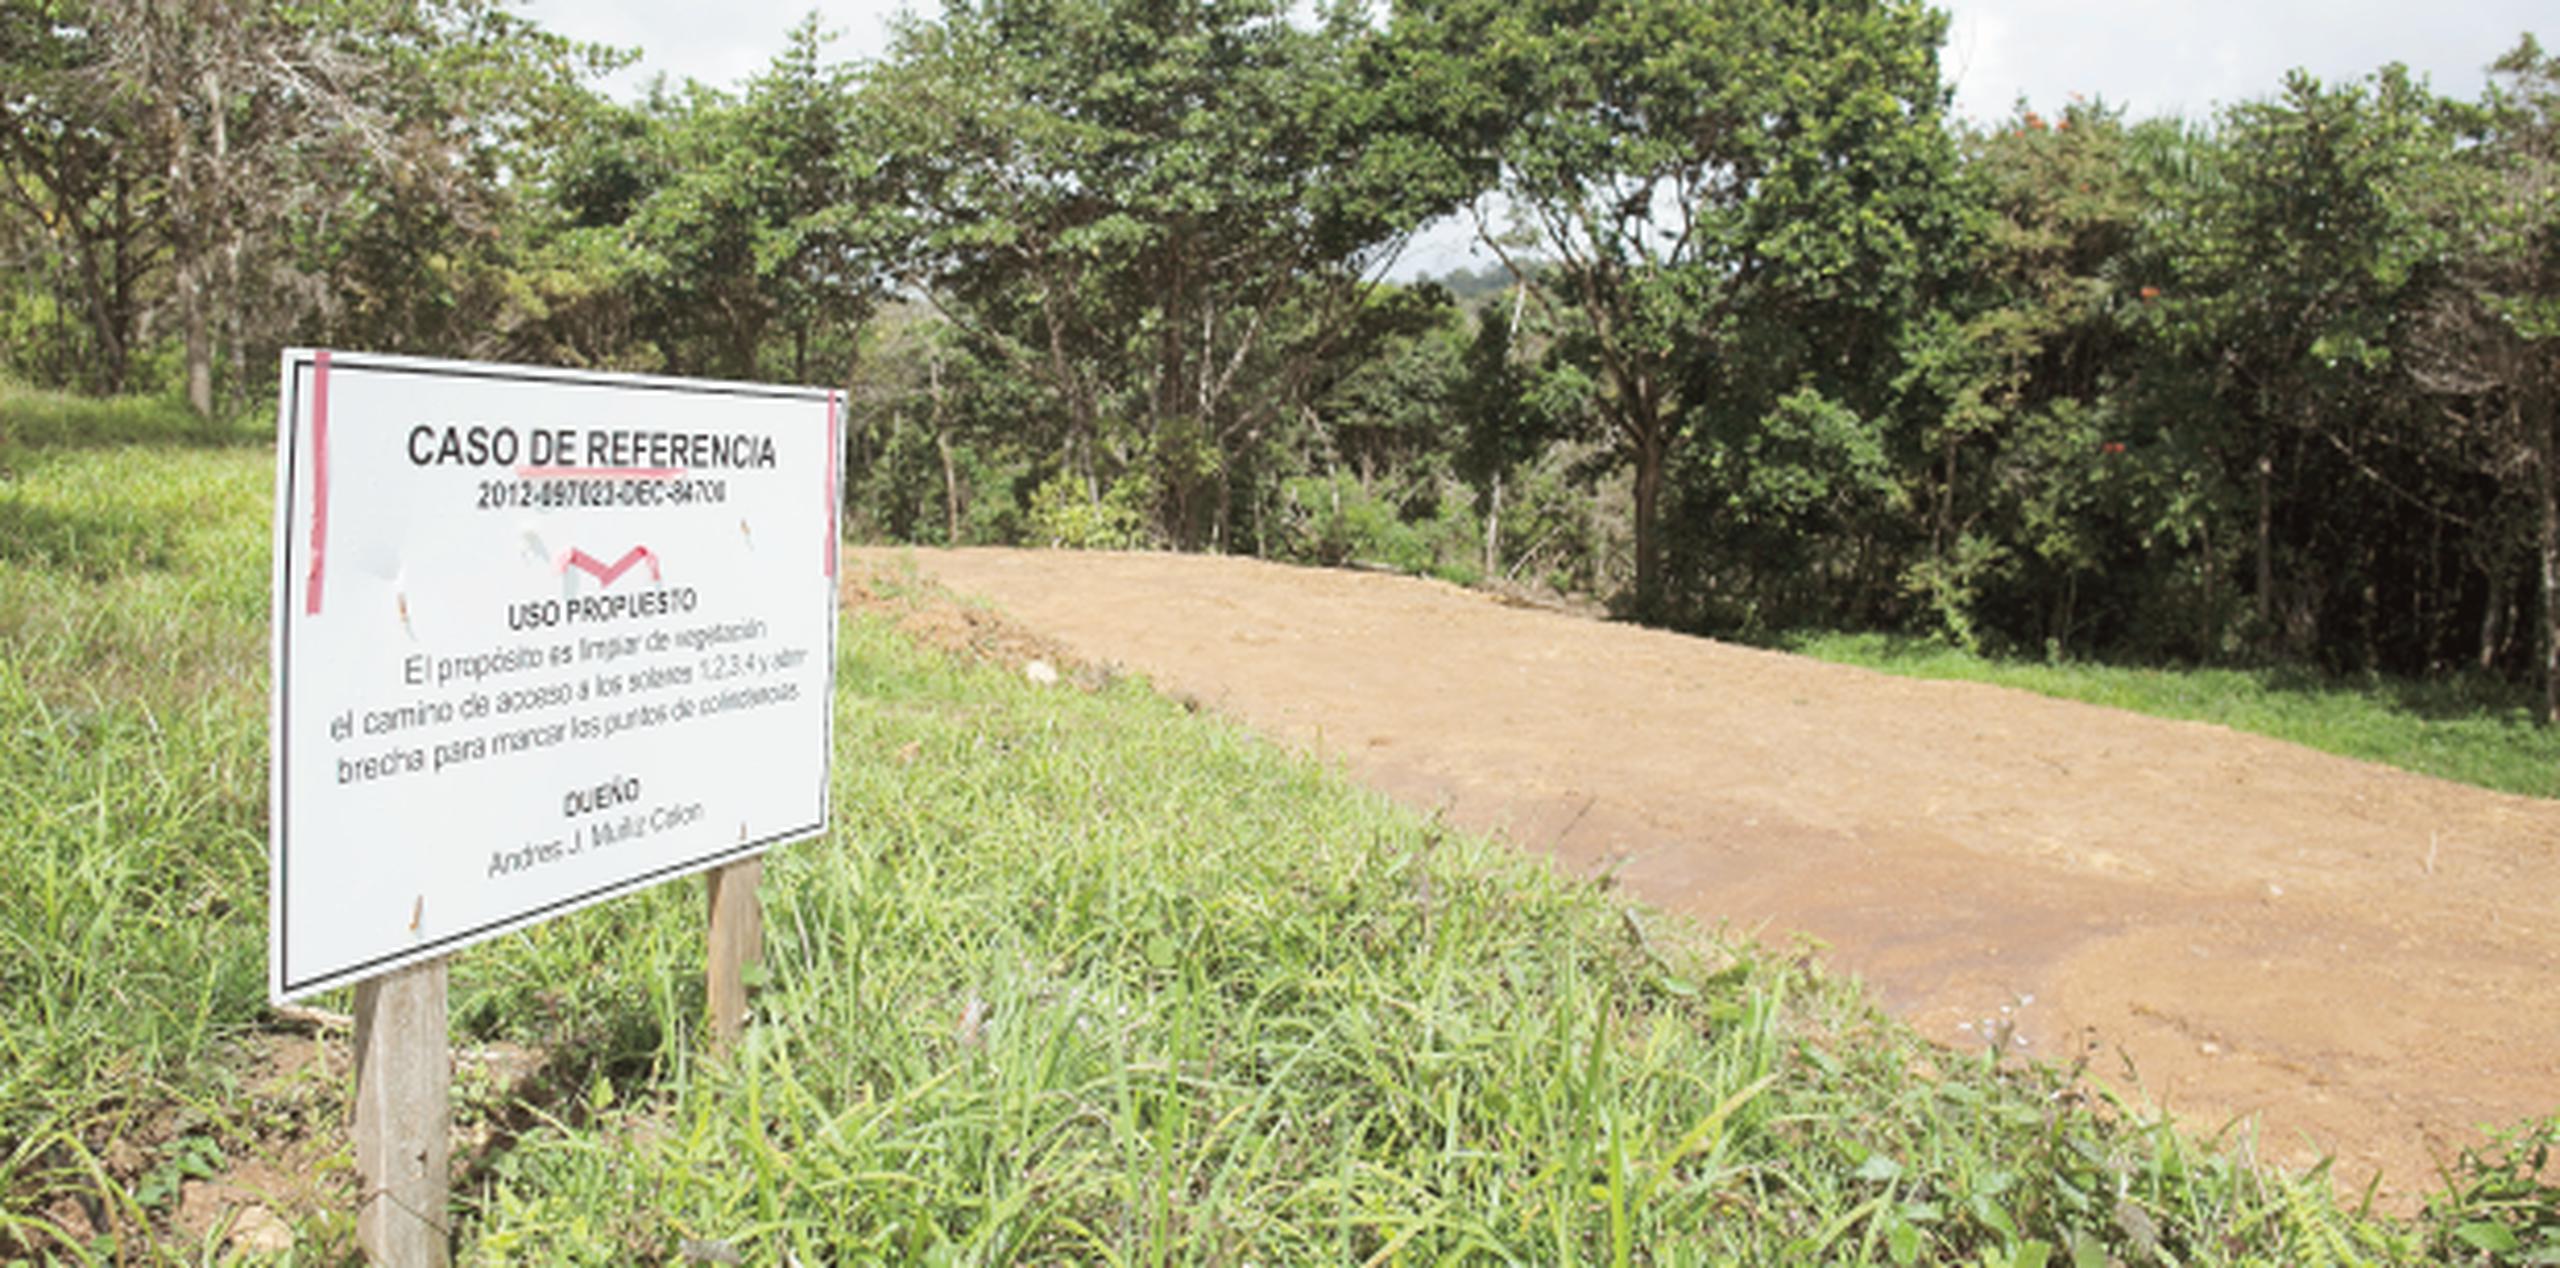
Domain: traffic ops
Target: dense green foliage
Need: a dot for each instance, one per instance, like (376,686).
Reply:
(1079,976)
(1773,342)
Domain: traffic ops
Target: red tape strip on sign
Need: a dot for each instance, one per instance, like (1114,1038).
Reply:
(319,480)
(835,454)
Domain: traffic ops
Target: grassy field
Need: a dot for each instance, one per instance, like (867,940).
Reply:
(132,783)
(1078,977)
(2471,730)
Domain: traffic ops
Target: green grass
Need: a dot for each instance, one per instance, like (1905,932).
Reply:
(132,791)
(2471,730)
(33,419)
(1086,978)
(1078,976)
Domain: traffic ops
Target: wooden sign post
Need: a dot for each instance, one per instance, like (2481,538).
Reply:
(736,941)
(404,1117)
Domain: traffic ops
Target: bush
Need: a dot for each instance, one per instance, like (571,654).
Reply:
(1334,521)
(1063,517)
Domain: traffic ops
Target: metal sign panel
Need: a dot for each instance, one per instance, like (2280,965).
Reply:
(541,638)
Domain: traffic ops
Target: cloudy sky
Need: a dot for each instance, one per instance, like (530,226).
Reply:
(2150,56)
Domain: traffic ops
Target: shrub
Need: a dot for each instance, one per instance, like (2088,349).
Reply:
(1333,520)
(1063,517)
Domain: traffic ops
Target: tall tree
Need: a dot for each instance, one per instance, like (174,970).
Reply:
(2299,252)
(748,216)
(2016,371)
(257,133)
(2491,338)
(816,186)
(1726,196)
(1168,213)
(410,219)
(76,178)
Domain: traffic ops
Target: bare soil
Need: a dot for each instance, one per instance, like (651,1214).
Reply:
(2350,960)
(282,1180)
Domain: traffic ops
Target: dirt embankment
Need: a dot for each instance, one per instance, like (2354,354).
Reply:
(2365,963)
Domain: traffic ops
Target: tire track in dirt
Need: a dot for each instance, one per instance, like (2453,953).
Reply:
(2358,961)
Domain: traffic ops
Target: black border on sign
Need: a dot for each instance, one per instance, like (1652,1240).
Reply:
(296,555)
(283,884)
(539,374)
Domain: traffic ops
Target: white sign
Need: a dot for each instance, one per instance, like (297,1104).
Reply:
(541,638)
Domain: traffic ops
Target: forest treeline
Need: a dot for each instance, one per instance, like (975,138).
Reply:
(1772,342)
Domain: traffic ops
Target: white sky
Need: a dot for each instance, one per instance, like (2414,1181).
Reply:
(2149,56)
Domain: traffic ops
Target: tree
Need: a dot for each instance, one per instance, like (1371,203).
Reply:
(263,141)
(928,446)
(73,176)
(1855,232)
(1500,429)
(2491,337)
(1168,213)
(2299,251)
(815,191)
(414,222)
(2016,370)
(748,216)
(1727,197)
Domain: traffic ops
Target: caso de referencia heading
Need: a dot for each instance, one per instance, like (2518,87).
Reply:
(481,445)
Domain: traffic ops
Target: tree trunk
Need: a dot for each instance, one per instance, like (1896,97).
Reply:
(188,252)
(2490,615)
(119,312)
(199,338)
(110,316)
(1083,429)
(1493,529)
(217,112)
(942,444)
(235,328)
(2207,625)
(1226,506)
(1650,460)
(2546,491)
(1942,532)
(950,491)
(61,329)
(2267,543)
(2065,613)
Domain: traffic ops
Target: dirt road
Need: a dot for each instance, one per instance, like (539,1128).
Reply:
(2365,962)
